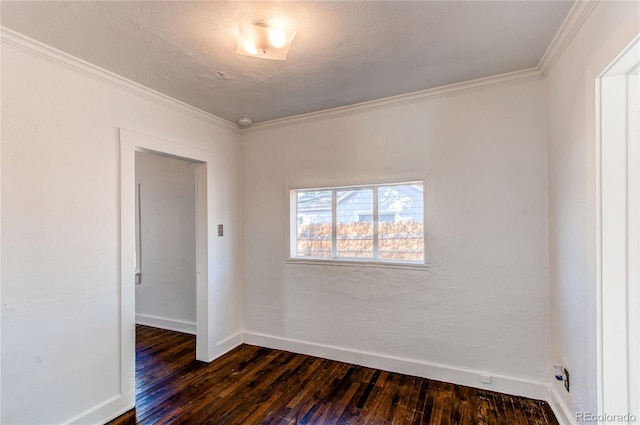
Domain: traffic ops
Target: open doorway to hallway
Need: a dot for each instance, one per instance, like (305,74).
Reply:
(165,291)
(165,242)
(134,145)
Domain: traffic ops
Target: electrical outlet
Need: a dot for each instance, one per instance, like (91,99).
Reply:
(485,378)
(566,379)
(557,371)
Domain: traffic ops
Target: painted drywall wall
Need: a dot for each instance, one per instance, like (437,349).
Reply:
(166,295)
(570,102)
(484,303)
(60,230)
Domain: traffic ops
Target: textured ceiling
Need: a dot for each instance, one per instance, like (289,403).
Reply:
(343,52)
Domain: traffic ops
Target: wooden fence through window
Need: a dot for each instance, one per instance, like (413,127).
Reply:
(399,240)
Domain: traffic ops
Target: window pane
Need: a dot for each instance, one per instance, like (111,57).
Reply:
(401,222)
(354,213)
(314,224)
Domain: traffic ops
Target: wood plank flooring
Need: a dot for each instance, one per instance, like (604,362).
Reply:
(254,385)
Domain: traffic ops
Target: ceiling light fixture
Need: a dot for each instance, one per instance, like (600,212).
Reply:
(261,41)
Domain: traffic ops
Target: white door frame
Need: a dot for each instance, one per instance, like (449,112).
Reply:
(618,236)
(130,142)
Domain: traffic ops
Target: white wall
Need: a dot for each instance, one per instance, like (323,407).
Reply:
(570,103)
(484,304)
(60,230)
(167,295)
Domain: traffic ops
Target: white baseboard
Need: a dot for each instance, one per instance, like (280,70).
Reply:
(164,323)
(106,411)
(560,409)
(228,344)
(436,371)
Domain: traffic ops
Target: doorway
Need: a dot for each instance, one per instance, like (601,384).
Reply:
(618,108)
(131,143)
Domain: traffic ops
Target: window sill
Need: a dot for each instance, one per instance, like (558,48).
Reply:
(359,263)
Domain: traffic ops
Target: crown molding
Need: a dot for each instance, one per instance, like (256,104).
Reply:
(42,51)
(517,77)
(578,14)
(569,28)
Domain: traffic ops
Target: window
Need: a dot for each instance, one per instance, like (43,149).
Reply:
(378,223)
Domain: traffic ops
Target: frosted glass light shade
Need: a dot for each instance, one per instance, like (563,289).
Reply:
(264,42)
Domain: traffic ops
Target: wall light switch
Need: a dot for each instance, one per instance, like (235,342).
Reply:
(220,230)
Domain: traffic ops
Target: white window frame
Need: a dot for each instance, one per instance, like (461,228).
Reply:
(292,213)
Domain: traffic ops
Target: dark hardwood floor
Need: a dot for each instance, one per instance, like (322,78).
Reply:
(254,385)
